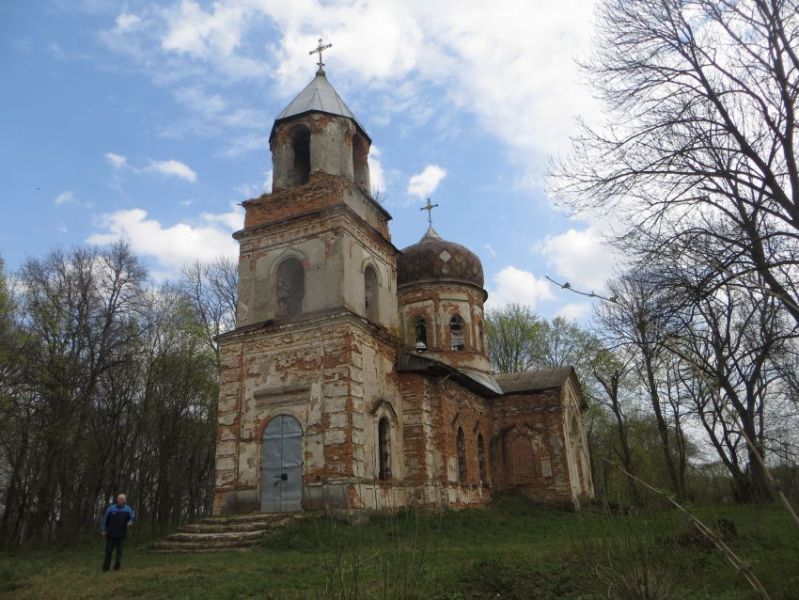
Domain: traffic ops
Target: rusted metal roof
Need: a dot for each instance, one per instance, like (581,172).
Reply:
(435,259)
(533,381)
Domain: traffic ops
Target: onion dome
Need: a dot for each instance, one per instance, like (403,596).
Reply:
(435,259)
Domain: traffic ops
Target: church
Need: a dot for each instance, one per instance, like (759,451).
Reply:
(357,377)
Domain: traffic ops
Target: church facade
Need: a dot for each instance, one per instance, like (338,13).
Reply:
(357,377)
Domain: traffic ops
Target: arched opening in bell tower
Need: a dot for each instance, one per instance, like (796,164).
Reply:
(301,144)
(360,163)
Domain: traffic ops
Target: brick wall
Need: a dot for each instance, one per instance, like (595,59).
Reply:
(528,450)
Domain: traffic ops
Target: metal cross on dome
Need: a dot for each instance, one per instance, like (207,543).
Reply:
(318,50)
(429,208)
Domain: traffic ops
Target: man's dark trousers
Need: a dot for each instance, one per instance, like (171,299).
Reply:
(110,544)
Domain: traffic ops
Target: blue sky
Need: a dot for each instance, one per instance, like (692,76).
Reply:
(149,121)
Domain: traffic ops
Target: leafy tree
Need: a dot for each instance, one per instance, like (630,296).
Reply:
(514,338)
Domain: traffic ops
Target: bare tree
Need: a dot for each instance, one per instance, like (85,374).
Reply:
(211,289)
(612,371)
(105,385)
(700,139)
(638,321)
(728,342)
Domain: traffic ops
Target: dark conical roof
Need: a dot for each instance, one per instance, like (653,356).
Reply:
(435,259)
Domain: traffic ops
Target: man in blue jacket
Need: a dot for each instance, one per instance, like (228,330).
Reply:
(116,521)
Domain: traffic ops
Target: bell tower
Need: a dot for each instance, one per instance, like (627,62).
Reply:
(317,133)
(307,373)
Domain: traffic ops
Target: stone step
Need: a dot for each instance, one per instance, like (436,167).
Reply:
(223,527)
(198,550)
(218,535)
(234,532)
(242,519)
(207,546)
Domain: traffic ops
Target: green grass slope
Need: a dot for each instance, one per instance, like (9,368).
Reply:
(513,549)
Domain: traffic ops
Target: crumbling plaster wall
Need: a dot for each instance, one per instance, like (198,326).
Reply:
(330,147)
(434,409)
(334,375)
(360,250)
(334,252)
(530,451)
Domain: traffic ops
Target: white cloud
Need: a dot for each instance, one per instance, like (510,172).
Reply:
(233,219)
(580,257)
(512,66)
(489,249)
(574,311)
(117,161)
(64,198)
(512,285)
(377,178)
(172,168)
(213,36)
(172,246)
(169,168)
(127,21)
(425,183)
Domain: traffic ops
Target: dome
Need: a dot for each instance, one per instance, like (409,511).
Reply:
(435,259)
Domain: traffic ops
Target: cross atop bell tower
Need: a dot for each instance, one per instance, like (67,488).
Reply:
(318,50)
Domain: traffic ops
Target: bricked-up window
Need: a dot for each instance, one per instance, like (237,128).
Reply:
(384,448)
(301,144)
(481,459)
(370,293)
(290,287)
(461,444)
(456,333)
(420,331)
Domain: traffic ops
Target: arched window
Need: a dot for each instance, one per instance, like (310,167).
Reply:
(370,293)
(384,449)
(420,330)
(301,143)
(456,333)
(480,339)
(481,459)
(290,287)
(461,445)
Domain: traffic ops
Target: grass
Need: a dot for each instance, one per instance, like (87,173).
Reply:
(513,549)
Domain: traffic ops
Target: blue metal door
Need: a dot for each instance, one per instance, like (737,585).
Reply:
(281,471)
